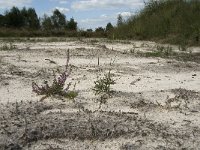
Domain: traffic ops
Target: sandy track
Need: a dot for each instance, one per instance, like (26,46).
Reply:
(156,103)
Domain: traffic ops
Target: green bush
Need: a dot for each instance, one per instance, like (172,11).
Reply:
(103,85)
(173,21)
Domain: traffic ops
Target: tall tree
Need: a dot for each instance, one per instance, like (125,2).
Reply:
(47,23)
(2,21)
(14,18)
(109,27)
(72,25)
(58,19)
(119,20)
(25,16)
(32,19)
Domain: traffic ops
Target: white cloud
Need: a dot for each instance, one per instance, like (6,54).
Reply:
(126,14)
(62,9)
(100,21)
(103,19)
(60,1)
(63,2)
(104,16)
(105,4)
(10,3)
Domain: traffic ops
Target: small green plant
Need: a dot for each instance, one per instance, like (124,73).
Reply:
(103,85)
(71,94)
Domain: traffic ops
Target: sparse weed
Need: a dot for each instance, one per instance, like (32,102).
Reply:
(160,48)
(144,45)
(124,41)
(94,41)
(57,87)
(166,51)
(103,88)
(161,51)
(183,47)
(6,47)
(103,85)
(133,49)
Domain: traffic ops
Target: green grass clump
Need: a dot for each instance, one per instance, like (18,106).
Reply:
(71,94)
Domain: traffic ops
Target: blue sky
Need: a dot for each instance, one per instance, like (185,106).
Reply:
(88,13)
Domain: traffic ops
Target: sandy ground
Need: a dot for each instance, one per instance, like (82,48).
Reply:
(155,104)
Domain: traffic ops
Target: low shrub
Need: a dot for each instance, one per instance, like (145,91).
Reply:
(58,85)
(103,85)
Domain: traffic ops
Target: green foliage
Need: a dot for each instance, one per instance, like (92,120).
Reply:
(47,23)
(25,21)
(16,18)
(119,20)
(173,21)
(103,85)
(109,27)
(55,22)
(89,30)
(32,19)
(71,94)
(2,20)
(58,20)
(72,25)
(100,30)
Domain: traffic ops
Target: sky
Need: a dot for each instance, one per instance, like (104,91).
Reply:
(88,13)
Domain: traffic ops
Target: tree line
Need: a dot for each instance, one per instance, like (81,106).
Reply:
(27,18)
(25,22)
(171,21)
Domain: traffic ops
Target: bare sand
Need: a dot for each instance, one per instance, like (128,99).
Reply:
(155,104)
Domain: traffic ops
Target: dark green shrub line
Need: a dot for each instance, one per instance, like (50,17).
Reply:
(167,21)
(28,19)
(173,21)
